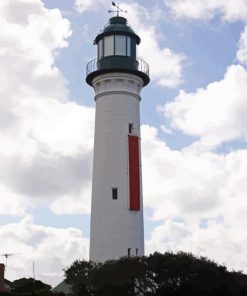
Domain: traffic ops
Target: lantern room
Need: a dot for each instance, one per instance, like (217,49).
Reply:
(117,39)
(116,52)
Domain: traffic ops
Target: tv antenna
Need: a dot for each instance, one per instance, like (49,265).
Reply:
(7,255)
(118,9)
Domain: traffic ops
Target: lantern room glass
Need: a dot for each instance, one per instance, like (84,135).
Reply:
(129,46)
(118,45)
(108,46)
(100,49)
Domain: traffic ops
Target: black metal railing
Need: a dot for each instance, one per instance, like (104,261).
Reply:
(92,66)
(138,65)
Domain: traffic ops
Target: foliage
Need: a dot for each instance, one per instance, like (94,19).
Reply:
(30,287)
(125,276)
(157,274)
(79,276)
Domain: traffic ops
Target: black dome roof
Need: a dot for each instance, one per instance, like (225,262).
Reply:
(118,25)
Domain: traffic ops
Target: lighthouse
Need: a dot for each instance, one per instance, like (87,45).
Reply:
(117,76)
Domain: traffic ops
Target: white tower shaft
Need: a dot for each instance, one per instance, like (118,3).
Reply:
(117,207)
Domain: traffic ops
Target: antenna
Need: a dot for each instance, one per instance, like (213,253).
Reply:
(118,9)
(33,272)
(7,255)
(33,279)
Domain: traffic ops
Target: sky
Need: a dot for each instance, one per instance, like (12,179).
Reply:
(193,116)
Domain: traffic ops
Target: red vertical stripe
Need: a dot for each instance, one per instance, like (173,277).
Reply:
(134,173)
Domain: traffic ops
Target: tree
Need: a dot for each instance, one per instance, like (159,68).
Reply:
(79,276)
(29,286)
(125,276)
(158,274)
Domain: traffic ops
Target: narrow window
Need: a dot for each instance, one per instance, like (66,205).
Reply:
(100,49)
(108,46)
(130,128)
(136,252)
(120,45)
(114,193)
(128,46)
(133,48)
(129,252)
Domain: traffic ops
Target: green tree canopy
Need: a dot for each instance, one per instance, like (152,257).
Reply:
(157,274)
(30,287)
(25,286)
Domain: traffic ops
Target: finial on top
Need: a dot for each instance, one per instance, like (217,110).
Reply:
(118,9)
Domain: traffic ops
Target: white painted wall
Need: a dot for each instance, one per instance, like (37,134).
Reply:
(114,228)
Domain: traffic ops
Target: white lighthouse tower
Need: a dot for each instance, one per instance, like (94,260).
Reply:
(117,77)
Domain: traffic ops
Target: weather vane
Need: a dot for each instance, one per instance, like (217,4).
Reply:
(118,9)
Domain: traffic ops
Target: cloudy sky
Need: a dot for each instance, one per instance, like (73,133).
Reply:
(194,133)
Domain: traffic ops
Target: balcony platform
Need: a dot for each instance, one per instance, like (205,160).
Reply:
(117,64)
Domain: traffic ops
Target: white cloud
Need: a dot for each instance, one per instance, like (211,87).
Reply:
(85,5)
(219,242)
(46,139)
(190,182)
(11,203)
(215,114)
(51,249)
(242,51)
(73,204)
(166,130)
(200,199)
(230,10)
